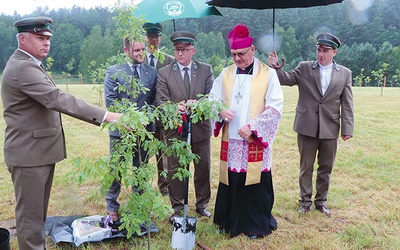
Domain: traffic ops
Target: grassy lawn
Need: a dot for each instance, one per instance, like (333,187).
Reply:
(364,194)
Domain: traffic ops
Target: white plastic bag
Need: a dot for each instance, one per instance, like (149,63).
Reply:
(87,229)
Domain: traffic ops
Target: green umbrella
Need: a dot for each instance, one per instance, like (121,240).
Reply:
(156,11)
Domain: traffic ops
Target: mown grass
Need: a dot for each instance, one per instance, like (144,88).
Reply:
(364,194)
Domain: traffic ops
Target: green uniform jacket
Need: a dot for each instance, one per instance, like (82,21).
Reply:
(32,105)
(317,115)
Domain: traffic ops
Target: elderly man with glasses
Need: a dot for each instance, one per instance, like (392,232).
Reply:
(253,97)
(180,82)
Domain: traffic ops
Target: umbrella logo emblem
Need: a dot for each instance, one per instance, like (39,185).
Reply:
(174,8)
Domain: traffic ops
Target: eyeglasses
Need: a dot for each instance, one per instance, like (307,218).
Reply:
(240,54)
(183,51)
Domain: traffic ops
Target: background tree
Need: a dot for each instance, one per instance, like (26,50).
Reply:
(361,78)
(362,55)
(96,48)
(49,64)
(66,75)
(380,76)
(65,46)
(291,48)
(8,41)
(395,79)
(209,47)
(393,58)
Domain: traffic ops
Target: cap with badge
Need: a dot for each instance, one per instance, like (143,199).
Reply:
(35,25)
(327,40)
(152,28)
(182,37)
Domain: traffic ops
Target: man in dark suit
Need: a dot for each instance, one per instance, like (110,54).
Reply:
(325,103)
(157,59)
(34,136)
(154,57)
(181,82)
(117,87)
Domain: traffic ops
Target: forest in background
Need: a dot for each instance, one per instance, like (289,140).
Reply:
(85,39)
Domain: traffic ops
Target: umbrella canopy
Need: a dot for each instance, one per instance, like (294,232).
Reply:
(270,4)
(156,11)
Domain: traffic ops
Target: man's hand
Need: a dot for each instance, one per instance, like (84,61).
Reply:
(273,60)
(245,132)
(346,137)
(182,105)
(112,117)
(228,114)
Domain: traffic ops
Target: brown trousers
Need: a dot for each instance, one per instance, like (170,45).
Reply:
(32,186)
(201,178)
(308,148)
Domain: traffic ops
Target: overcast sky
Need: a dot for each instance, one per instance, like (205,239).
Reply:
(24,7)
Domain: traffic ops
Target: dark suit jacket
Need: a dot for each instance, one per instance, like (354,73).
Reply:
(121,75)
(32,104)
(320,115)
(170,86)
(167,60)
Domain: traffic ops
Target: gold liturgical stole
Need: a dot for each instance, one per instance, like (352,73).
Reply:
(259,89)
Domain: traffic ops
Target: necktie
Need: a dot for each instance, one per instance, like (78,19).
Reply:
(186,80)
(135,72)
(152,60)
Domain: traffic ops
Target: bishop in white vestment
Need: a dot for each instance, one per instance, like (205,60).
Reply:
(253,97)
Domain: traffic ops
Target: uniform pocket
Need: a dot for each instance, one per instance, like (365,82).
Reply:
(335,116)
(301,110)
(45,132)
